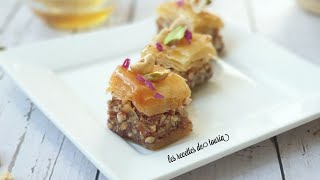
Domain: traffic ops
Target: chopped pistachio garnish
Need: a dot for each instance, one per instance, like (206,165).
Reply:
(209,2)
(157,75)
(175,35)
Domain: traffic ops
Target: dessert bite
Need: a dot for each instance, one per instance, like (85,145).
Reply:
(183,52)
(201,21)
(149,104)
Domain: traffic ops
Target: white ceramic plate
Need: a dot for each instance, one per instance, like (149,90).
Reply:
(258,90)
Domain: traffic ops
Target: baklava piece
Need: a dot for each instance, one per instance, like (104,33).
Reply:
(148,104)
(201,21)
(183,52)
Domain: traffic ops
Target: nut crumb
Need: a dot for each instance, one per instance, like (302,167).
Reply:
(123,126)
(116,109)
(163,117)
(149,140)
(191,76)
(121,117)
(127,108)
(153,128)
(175,118)
(109,125)
(134,131)
(182,111)
(187,101)
(141,136)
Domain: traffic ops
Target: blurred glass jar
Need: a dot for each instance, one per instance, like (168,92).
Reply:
(72,14)
(311,5)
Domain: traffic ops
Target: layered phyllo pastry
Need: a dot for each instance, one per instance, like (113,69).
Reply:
(183,52)
(201,21)
(149,104)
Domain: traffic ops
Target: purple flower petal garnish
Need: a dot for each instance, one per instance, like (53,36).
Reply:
(146,82)
(141,78)
(159,47)
(149,84)
(188,36)
(126,63)
(158,96)
(180,3)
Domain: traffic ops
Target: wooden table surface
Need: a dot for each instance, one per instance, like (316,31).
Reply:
(31,147)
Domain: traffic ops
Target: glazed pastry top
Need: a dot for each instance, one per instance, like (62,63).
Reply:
(160,96)
(181,55)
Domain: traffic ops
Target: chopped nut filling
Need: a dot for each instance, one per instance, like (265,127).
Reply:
(197,75)
(151,132)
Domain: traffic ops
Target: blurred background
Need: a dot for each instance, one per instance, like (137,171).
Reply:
(295,24)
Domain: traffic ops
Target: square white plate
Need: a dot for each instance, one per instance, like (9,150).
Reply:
(258,90)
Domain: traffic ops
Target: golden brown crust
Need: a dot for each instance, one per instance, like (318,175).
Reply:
(125,85)
(182,55)
(203,22)
(217,40)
